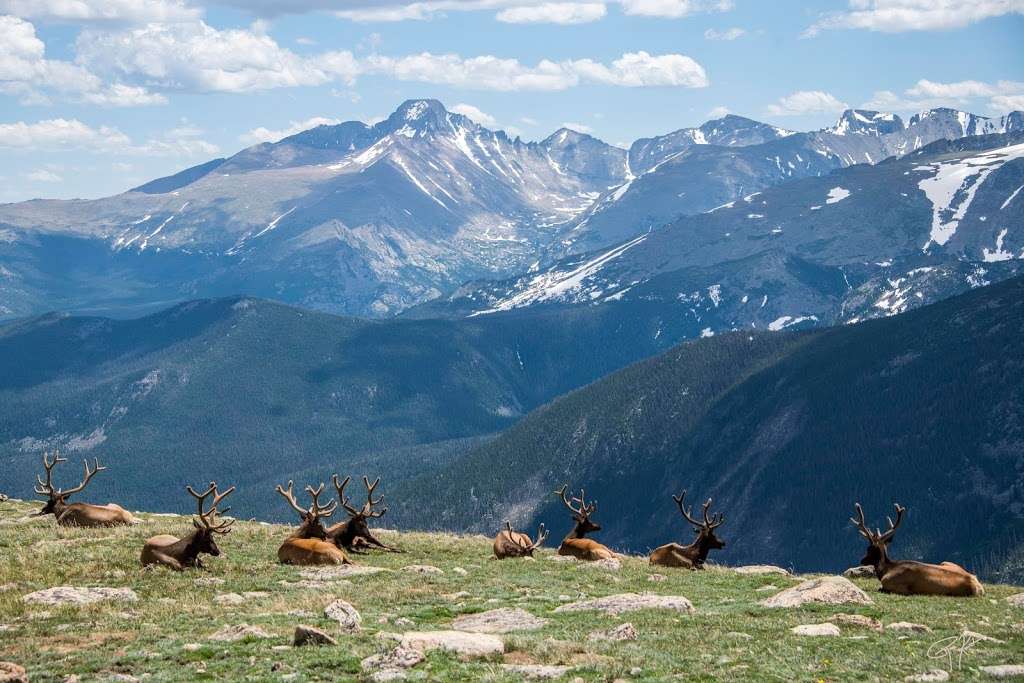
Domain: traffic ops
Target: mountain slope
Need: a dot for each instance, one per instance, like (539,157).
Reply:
(259,391)
(785,431)
(707,167)
(862,242)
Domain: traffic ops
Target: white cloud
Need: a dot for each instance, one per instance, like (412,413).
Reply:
(728,34)
(578,127)
(41,175)
(493,73)
(475,114)
(894,16)
(1007,103)
(961,90)
(59,133)
(258,135)
(673,9)
(554,13)
(718,112)
(806,102)
(133,11)
(528,121)
(927,94)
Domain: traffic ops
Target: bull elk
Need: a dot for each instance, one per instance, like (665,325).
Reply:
(182,553)
(575,544)
(308,544)
(509,543)
(908,577)
(691,556)
(77,514)
(354,533)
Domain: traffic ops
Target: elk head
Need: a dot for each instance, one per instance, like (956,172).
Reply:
(580,513)
(357,523)
(878,541)
(704,528)
(311,526)
(206,523)
(57,498)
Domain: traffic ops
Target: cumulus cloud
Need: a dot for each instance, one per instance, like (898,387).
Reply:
(554,13)
(134,11)
(258,135)
(474,113)
(925,94)
(1006,103)
(895,16)
(728,34)
(806,102)
(578,127)
(41,175)
(60,133)
(673,9)
(718,112)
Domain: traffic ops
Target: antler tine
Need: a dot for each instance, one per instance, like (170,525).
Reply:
(508,525)
(345,502)
(316,509)
(683,510)
(542,534)
(892,527)
(201,497)
(370,502)
(585,510)
(704,509)
(289,495)
(565,500)
(46,488)
(217,498)
(860,522)
(89,474)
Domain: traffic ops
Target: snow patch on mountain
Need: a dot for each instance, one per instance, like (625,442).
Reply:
(836,195)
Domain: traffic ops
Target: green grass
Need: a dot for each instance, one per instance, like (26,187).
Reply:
(147,638)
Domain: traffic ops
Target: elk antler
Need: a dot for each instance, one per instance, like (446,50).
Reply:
(708,523)
(370,502)
(887,536)
(207,518)
(316,510)
(289,495)
(89,474)
(583,510)
(45,488)
(861,524)
(542,535)
(345,502)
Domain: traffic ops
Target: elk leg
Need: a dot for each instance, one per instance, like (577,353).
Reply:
(168,561)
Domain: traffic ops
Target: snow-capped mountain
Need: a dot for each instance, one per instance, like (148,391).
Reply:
(371,220)
(864,241)
(697,174)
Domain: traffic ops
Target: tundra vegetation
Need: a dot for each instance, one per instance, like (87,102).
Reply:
(166,632)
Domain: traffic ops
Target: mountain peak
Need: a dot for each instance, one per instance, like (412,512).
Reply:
(565,136)
(418,115)
(867,122)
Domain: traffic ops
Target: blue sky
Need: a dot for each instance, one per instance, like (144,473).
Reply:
(99,95)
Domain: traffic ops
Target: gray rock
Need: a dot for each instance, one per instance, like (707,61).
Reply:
(930,676)
(404,622)
(759,569)
(826,629)
(423,569)
(503,620)
(907,627)
(1004,670)
(308,635)
(236,632)
(858,620)
(229,599)
(459,642)
(209,581)
(612,564)
(628,602)
(829,590)
(536,671)
(1016,600)
(70,595)
(624,631)
(345,614)
(862,572)
(338,572)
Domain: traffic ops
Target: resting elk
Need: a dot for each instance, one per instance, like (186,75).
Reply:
(308,544)
(77,514)
(908,577)
(182,553)
(354,533)
(509,543)
(691,556)
(574,544)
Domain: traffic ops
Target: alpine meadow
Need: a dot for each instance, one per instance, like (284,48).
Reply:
(511,340)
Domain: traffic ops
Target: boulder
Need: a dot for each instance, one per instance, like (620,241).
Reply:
(228,599)
(308,635)
(829,590)
(861,572)
(459,642)
(503,620)
(423,569)
(70,595)
(345,614)
(392,665)
(1016,600)
(12,673)
(612,564)
(624,631)
(338,572)
(757,569)
(826,629)
(628,602)
(208,581)
(232,633)
(1004,670)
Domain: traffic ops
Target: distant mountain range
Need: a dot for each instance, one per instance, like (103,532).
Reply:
(372,220)
(785,431)
(861,242)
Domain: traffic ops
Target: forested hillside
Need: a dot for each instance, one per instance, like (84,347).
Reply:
(785,432)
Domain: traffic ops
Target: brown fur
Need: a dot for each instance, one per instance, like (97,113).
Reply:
(509,543)
(574,543)
(308,544)
(691,556)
